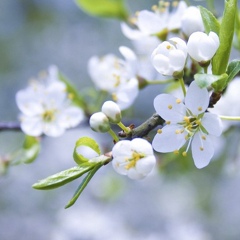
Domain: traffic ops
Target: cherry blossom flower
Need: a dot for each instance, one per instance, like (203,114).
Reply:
(133,158)
(202,47)
(187,122)
(191,21)
(159,22)
(46,108)
(169,57)
(116,76)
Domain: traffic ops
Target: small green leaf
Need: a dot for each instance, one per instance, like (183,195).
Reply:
(233,69)
(88,142)
(29,151)
(73,93)
(104,8)
(83,184)
(209,20)
(63,177)
(221,58)
(204,80)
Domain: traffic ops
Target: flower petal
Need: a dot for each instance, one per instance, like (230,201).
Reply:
(32,126)
(169,108)
(141,146)
(197,99)
(145,165)
(212,123)
(202,150)
(169,140)
(134,174)
(118,164)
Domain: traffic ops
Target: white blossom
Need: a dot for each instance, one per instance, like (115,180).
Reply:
(159,22)
(202,47)
(228,104)
(133,158)
(169,57)
(112,74)
(191,21)
(99,122)
(112,111)
(46,108)
(187,122)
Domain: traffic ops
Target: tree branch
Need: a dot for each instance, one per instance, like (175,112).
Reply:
(10,126)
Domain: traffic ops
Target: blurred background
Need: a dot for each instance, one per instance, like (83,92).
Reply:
(174,203)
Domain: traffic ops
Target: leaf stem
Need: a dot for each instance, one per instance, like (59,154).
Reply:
(124,128)
(113,135)
(182,86)
(154,82)
(230,118)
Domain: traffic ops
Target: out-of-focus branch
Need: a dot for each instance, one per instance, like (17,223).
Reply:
(10,126)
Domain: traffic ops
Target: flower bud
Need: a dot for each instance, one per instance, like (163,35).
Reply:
(99,122)
(112,111)
(191,21)
(169,57)
(202,47)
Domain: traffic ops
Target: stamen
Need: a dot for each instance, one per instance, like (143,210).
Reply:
(114,97)
(159,131)
(201,148)
(170,106)
(203,137)
(178,100)
(199,109)
(176,152)
(168,122)
(184,154)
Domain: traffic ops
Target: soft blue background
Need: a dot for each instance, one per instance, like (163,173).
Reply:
(195,206)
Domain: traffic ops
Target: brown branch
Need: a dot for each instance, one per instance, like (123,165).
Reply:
(10,126)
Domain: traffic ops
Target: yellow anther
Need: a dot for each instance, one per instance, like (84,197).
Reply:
(203,137)
(176,152)
(168,47)
(177,131)
(198,122)
(184,154)
(178,100)
(71,96)
(199,109)
(175,3)
(186,119)
(159,131)
(169,106)
(201,148)
(154,8)
(168,122)
(114,97)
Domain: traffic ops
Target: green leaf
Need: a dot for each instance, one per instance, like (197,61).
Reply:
(63,177)
(204,80)
(29,151)
(233,69)
(209,20)
(221,58)
(83,184)
(73,93)
(104,8)
(88,142)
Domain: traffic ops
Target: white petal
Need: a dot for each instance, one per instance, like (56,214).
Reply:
(202,150)
(130,33)
(168,140)
(134,174)
(52,129)
(149,22)
(141,146)
(167,107)
(71,117)
(32,126)
(118,164)
(122,148)
(212,123)
(145,165)
(127,93)
(197,99)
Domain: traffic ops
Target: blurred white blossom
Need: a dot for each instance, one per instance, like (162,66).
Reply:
(191,21)
(116,76)
(46,108)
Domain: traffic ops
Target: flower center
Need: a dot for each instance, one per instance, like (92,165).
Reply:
(132,161)
(48,115)
(191,124)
